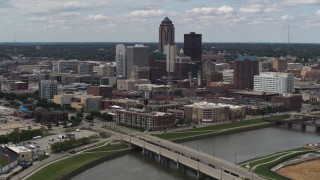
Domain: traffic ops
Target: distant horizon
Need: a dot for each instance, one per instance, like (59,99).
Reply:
(254,21)
(141,42)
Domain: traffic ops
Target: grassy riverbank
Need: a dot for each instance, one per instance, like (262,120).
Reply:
(216,128)
(208,129)
(262,165)
(59,169)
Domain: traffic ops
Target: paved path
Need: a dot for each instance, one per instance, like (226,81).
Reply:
(53,158)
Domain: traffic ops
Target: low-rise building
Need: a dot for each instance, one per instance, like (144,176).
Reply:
(150,91)
(213,112)
(24,153)
(291,102)
(87,102)
(145,119)
(104,91)
(46,116)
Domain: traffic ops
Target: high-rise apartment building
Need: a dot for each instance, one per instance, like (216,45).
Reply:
(273,82)
(245,68)
(120,60)
(137,55)
(48,89)
(193,46)
(166,34)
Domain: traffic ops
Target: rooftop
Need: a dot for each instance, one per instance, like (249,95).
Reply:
(242,58)
(166,21)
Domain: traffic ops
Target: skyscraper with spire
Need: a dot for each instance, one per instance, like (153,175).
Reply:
(166,34)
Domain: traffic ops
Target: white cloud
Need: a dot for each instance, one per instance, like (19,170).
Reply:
(147,13)
(259,8)
(297,2)
(211,10)
(225,10)
(250,10)
(97,17)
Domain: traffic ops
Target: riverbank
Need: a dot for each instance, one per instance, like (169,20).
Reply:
(223,132)
(263,165)
(214,130)
(74,164)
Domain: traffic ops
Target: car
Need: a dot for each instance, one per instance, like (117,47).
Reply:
(72,152)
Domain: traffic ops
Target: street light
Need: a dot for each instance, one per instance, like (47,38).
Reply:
(159,150)
(198,161)
(221,170)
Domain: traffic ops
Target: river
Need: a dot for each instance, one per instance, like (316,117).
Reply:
(233,147)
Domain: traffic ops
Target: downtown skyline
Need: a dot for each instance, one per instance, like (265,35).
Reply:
(138,21)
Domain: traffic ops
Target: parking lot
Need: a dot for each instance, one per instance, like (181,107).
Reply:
(43,144)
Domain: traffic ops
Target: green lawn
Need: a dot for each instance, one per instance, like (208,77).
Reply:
(42,157)
(208,129)
(264,169)
(3,162)
(108,147)
(61,168)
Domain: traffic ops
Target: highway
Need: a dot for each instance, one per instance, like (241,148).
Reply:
(208,164)
(193,164)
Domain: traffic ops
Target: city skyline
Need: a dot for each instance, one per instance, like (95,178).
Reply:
(108,21)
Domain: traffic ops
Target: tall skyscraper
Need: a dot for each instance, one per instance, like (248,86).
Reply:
(171,53)
(193,46)
(245,68)
(120,60)
(166,34)
(48,89)
(137,55)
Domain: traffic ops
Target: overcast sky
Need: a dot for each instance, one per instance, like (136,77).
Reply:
(138,20)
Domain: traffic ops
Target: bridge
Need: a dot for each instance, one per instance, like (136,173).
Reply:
(303,120)
(204,164)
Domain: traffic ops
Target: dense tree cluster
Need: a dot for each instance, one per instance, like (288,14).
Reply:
(106,51)
(71,143)
(17,136)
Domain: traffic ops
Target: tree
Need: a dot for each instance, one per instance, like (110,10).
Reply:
(49,126)
(107,117)
(79,114)
(95,113)
(89,118)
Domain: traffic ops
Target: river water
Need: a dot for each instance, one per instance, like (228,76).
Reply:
(233,147)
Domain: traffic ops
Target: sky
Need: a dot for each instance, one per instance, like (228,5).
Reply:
(139,20)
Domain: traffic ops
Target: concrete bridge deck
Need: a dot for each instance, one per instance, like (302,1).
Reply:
(201,162)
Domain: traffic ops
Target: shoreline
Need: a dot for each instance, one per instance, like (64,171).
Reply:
(95,163)
(223,132)
(124,152)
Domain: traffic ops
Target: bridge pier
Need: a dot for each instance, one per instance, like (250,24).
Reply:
(289,125)
(303,127)
(317,129)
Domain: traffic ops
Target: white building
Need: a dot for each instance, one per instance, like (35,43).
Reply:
(48,88)
(171,53)
(120,60)
(274,82)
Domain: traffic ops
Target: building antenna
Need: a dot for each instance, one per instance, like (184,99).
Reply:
(288,45)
